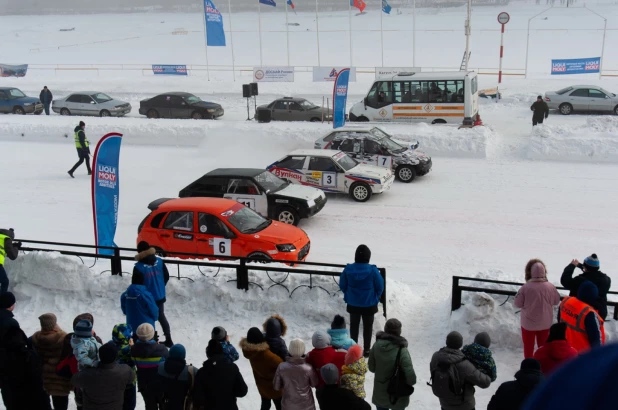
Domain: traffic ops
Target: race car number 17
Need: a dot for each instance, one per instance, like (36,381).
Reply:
(329,179)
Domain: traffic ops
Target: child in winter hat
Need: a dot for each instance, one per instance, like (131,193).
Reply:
(48,322)
(85,346)
(122,337)
(297,348)
(354,370)
(323,354)
(145,332)
(229,351)
(339,335)
(480,356)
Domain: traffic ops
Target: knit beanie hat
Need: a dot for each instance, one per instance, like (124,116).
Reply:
(145,332)
(83,316)
(121,334)
(218,333)
(48,322)
(588,293)
(178,352)
(143,246)
(557,331)
(592,262)
(297,348)
(330,374)
(338,322)
(214,348)
(108,353)
(320,340)
(454,340)
(81,123)
(363,254)
(393,327)
(483,339)
(138,278)
(530,364)
(355,352)
(255,336)
(83,329)
(7,299)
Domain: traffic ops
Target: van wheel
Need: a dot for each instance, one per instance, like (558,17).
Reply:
(405,173)
(288,215)
(362,118)
(565,109)
(152,114)
(439,121)
(259,257)
(65,111)
(315,119)
(360,192)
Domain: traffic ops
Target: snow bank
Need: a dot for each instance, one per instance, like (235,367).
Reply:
(594,141)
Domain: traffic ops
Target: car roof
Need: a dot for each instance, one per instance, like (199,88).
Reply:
(297,99)
(87,92)
(315,152)
(359,128)
(594,87)
(6,88)
(235,172)
(210,205)
(178,93)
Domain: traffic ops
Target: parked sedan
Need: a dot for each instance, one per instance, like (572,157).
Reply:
(13,100)
(179,105)
(295,109)
(585,98)
(91,103)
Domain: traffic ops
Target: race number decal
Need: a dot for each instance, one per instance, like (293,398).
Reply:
(222,246)
(329,179)
(385,161)
(248,202)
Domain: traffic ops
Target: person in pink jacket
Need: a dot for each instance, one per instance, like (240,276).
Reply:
(536,299)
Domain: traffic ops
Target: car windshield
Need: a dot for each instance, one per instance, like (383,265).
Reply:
(101,98)
(391,145)
(270,182)
(16,93)
(345,161)
(248,221)
(307,105)
(192,99)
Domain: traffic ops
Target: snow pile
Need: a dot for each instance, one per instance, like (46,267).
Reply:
(594,141)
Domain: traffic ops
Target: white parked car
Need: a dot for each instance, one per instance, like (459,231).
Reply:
(333,171)
(582,98)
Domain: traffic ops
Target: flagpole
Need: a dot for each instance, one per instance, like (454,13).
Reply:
(260,30)
(317,30)
(350,26)
(205,39)
(287,31)
(414,34)
(382,35)
(229,6)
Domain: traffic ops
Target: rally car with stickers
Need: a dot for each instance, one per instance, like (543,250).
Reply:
(333,171)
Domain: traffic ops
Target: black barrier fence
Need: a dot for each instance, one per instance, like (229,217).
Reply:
(458,288)
(242,266)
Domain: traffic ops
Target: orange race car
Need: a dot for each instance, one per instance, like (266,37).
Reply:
(222,227)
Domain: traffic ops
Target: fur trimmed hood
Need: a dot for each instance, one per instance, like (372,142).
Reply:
(252,348)
(398,341)
(275,326)
(51,340)
(145,254)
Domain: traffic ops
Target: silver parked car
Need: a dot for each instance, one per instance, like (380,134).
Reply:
(296,109)
(91,103)
(582,98)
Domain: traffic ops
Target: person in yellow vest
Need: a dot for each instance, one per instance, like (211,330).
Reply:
(585,328)
(83,148)
(9,249)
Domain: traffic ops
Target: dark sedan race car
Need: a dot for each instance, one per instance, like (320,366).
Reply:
(179,105)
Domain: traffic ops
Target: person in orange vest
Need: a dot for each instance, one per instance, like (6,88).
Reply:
(585,328)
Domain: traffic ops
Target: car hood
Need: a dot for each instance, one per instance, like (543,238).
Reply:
(26,100)
(279,233)
(370,171)
(409,156)
(112,103)
(300,191)
(206,104)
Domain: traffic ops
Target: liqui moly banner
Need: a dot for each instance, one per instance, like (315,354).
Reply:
(576,66)
(105,191)
(215,35)
(325,74)
(340,97)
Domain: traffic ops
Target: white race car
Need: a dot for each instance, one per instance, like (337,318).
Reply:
(333,171)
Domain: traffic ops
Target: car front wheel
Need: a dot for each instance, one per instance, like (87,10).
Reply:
(259,257)
(197,115)
(19,111)
(105,113)
(566,109)
(405,173)
(288,215)
(360,192)
(616,110)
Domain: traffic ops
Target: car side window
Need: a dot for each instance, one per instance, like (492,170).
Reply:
(294,106)
(156,220)
(176,100)
(332,135)
(281,105)
(211,225)
(582,92)
(322,164)
(3,96)
(85,99)
(596,94)
(75,98)
(242,186)
(293,162)
(179,220)
(372,147)
(209,186)
(348,146)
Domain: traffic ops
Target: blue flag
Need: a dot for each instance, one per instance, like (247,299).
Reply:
(386,7)
(215,36)
(268,2)
(105,191)
(340,97)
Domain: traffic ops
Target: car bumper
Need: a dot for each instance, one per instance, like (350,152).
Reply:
(299,255)
(143,111)
(29,109)
(311,211)
(423,168)
(378,189)
(217,114)
(120,112)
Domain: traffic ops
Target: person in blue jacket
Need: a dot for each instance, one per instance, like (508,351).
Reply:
(362,286)
(138,304)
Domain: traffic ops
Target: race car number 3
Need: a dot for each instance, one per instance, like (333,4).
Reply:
(329,179)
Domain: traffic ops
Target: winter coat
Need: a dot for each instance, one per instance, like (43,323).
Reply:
(469,375)
(296,377)
(229,351)
(553,354)
(46,97)
(155,273)
(48,345)
(512,395)
(541,110)
(275,328)
(10,250)
(264,364)
(7,321)
(175,381)
(361,284)
(217,385)
(319,358)
(340,338)
(81,134)
(382,362)
(601,280)
(138,304)
(353,377)
(337,398)
(103,387)
(482,359)
(86,351)
(120,337)
(147,356)
(537,299)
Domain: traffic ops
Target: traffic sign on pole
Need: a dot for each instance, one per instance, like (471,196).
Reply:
(503,18)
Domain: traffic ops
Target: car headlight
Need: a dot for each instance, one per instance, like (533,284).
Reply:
(311,203)
(28,104)
(211,110)
(286,247)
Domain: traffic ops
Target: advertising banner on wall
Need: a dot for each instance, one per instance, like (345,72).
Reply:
(169,69)
(13,70)
(576,66)
(324,74)
(391,71)
(340,97)
(273,74)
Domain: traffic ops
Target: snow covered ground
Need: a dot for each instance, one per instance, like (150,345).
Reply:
(497,196)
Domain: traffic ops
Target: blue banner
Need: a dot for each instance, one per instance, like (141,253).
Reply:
(13,70)
(215,36)
(269,2)
(169,69)
(340,97)
(105,191)
(386,7)
(576,66)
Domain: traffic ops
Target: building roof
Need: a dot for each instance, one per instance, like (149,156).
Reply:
(235,172)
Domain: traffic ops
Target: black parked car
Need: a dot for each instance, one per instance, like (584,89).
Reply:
(179,105)
(261,191)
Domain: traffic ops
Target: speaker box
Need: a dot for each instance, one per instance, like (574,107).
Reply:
(263,115)
(246,91)
(254,89)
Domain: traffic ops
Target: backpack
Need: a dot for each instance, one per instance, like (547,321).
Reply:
(445,381)
(398,385)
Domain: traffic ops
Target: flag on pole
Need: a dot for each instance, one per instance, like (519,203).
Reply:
(215,35)
(106,191)
(340,97)
(386,7)
(291,4)
(269,2)
(359,4)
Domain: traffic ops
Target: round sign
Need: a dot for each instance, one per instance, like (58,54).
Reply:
(503,17)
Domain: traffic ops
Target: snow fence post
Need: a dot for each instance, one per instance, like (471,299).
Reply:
(456,298)
(116,262)
(383,297)
(242,276)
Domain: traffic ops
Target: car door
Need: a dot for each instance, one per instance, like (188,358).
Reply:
(579,99)
(375,154)
(352,147)
(88,106)
(296,113)
(322,172)
(214,237)
(4,102)
(245,191)
(179,107)
(178,232)
(599,101)
(73,102)
(280,111)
